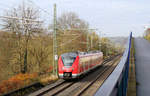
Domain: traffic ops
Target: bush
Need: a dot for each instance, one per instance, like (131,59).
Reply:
(16,82)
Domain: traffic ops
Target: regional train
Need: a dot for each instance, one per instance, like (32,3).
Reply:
(74,64)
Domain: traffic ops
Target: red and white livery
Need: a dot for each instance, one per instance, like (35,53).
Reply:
(74,64)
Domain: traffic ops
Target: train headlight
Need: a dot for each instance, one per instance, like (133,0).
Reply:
(63,68)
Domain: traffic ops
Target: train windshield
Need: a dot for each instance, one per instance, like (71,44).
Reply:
(68,61)
(68,58)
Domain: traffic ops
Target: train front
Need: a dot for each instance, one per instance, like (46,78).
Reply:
(68,65)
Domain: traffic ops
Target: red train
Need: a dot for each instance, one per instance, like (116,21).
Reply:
(74,64)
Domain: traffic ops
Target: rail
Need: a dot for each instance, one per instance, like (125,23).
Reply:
(116,83)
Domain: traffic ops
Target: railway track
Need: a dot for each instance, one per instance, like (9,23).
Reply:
(98,80)
(28,89)
(74,88)
(59,89)
(48,88)
(80,87)
(38,88)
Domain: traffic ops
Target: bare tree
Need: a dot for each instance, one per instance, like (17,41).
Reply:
(71,20)
(24,23)
(70,29)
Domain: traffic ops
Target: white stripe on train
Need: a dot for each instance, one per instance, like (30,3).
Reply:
(77,75)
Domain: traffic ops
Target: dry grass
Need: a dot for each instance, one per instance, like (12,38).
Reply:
(16,82)
(21,80)
(48,79)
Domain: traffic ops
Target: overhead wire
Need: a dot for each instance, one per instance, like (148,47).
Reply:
(10,17)
(74,34)
(69,41)
(20,18)
(38,21)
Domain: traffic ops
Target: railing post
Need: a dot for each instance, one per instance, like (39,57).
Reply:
(127,67)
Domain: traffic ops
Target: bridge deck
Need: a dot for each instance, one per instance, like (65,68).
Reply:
(142,62)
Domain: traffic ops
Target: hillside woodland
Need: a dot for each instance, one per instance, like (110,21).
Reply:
(26,44)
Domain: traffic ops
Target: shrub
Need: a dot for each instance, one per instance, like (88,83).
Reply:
(17,81)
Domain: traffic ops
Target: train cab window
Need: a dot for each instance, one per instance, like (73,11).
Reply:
(68,61)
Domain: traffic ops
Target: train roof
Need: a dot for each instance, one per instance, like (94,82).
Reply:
(89,52)
(74,54)
(70,54)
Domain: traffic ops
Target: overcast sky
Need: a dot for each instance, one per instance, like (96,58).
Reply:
(112,17)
